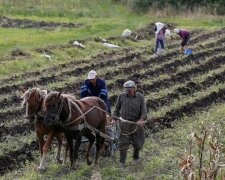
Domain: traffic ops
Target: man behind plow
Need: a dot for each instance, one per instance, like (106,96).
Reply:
(130,106)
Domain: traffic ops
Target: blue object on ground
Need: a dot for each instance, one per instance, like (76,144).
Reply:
(188,51)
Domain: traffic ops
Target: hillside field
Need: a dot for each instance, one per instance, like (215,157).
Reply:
(182,92)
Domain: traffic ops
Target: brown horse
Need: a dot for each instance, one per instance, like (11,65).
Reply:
(33,100)
(66,111)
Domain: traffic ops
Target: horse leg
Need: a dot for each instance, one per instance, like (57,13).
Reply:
(76,149)
(66,152)
(91,142)
(69,139)
(99,144)
(59,137)
(41,167)
(41,142)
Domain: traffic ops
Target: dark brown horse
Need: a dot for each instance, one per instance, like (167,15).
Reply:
(33,100)
(66,111)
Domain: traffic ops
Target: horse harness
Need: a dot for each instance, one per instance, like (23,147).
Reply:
(80,127)
(85,124)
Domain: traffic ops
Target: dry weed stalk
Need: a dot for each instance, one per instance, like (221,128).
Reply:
(209,169)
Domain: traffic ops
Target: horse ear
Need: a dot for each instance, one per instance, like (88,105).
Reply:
(59,94)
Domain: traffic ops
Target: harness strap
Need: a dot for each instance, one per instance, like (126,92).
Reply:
(67,122)
(82,115)
(118,118)
(127,134)
(127,121)
(59,110)
(99,132)
(77,127)
(86,125)
(79,109)
(74,128)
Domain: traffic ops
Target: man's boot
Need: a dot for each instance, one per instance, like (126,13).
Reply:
(123,156)
(136,154)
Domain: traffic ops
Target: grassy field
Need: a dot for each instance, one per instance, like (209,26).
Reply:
(98,19)
(105,19)
(185,91)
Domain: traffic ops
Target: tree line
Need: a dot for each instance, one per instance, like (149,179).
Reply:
(209,6)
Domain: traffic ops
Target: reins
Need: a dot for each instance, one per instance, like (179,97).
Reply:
(127,134)
(118,118)
(81,116)
(88,125)
(59,110)
(112,116)
(94,129)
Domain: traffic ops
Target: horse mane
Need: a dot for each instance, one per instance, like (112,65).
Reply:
(69,96)
(27,94)
(51,97)
(25,97)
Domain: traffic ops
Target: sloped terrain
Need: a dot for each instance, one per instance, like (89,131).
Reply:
(174,85)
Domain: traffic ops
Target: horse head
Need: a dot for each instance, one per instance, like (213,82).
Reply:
(53,107)
(33,101)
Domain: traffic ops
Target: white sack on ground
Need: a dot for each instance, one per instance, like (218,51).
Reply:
(76,43)
(126,32)
(110,45)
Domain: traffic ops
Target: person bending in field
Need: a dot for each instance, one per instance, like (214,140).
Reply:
(160,30)
(95,86)
(184,35)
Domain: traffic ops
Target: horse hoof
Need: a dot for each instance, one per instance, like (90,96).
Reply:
(74,166)
(95,166)
(89,162)
(59,161)
(41,169)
